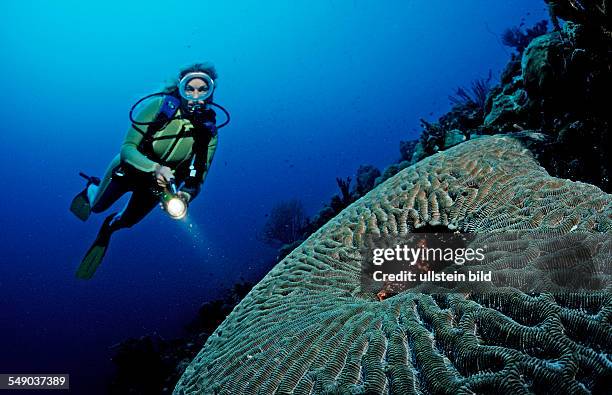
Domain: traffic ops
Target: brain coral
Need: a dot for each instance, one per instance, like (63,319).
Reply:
(306,328)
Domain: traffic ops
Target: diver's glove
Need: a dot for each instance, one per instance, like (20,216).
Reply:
(190,189)
(185,196)
(193,184)
(163,175)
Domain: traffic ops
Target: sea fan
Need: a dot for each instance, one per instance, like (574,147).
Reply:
(476,95)
(518,39)
(286,223)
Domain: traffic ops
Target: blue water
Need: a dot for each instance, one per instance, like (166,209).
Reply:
(315,89)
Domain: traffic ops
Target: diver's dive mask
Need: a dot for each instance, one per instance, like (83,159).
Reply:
(196,97)
(202,93)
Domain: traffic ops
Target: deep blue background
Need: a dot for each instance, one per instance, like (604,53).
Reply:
(315,88)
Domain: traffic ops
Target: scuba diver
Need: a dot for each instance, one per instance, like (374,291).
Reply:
(164,159)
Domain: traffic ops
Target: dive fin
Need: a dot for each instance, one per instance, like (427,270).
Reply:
(80,205)
(90,263)
(95,254)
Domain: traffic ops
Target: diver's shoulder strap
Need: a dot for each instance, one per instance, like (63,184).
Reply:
(169,106)
(167,111)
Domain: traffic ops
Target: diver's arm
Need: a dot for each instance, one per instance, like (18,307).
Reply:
(194,184)
(129,149)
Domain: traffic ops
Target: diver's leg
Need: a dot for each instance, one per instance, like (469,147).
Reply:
(109,191)
(79,206)
(95,254)
(105,196)
(140,204)
(98,198)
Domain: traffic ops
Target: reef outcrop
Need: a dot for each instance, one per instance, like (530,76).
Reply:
(307,328)
(557,85)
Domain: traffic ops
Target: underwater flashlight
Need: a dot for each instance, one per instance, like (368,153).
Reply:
(183,89)
(175,206)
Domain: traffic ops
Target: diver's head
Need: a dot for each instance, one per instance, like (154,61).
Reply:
(196,88)
(196,85)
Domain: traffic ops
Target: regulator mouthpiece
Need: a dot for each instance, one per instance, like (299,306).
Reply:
(187,92)
(196,108)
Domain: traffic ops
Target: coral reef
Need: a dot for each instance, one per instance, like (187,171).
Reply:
(592,13)
(406,150)
(308,328)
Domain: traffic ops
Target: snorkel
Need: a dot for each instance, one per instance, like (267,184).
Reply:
(172,203)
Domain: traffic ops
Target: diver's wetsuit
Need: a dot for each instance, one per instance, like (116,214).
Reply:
(133,169)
